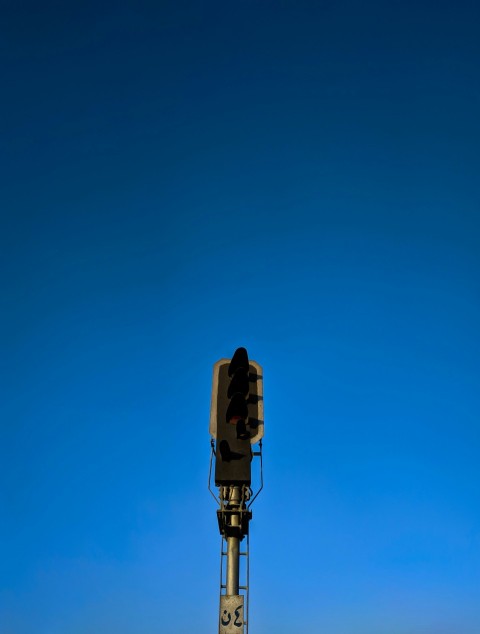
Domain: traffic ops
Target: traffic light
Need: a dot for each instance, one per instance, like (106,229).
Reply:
(236,417)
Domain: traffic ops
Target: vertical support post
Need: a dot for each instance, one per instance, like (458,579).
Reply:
(236,423)
(233,545)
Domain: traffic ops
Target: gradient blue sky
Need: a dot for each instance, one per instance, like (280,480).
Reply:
(181,178)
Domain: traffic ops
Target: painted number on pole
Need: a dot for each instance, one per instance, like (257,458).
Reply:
(231,614)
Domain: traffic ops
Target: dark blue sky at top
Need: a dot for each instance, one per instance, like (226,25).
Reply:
(179,179)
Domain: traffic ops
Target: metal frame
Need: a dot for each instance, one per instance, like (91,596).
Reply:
(254,453)
(260,454)
(212,453)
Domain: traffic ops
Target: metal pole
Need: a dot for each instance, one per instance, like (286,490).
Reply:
(233,545)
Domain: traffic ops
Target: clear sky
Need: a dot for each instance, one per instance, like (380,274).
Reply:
(179,179)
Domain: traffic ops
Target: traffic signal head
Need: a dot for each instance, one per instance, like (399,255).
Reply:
(236,417)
